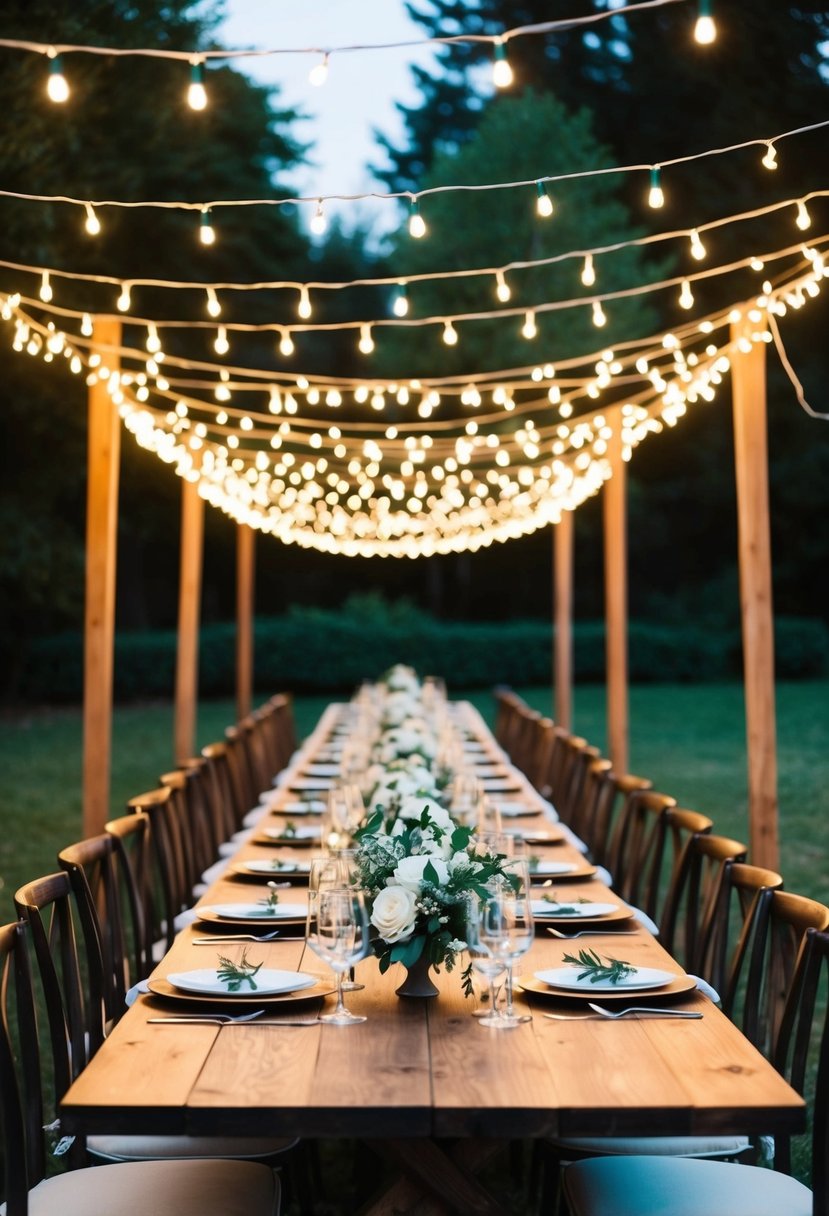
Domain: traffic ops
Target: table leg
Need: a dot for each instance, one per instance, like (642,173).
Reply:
(438,1178)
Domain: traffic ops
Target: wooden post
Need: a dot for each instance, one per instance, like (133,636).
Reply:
(751,460)
(615,590)
(189,604)
(563,617)
(245,584)
(103,451)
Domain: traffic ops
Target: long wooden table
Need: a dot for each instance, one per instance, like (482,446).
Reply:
(426,1069)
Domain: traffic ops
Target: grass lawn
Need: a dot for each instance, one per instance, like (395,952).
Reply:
(688,739)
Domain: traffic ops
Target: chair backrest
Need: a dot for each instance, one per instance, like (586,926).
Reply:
(697,903)
(219,789)
(136,859)
(110,904)
(560,777)
(612,792)
(243,785)
(575,806)
(638,849)
(801,1050)
(21,1098)
(171,883)
(765,962)
(731,906)
(69,968)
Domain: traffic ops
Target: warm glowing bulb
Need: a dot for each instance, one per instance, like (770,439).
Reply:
(221,344)
(45,291)
(450,334)
(588,273)
(207,233)
(705,31)
(123,302)
(656,196)
(196,93)
(686,296)
(543,202)
(153,342)
(214,308)
(92,224)
(417,224)
(770,158)
(599,317)
(803,219)
(86,325)
(366,343)
(304,306)
(502,289)
(529,329)
(501,71)
(318,221)
(286,343)
(400,307)
(319,72)
(57,87)
(697,247)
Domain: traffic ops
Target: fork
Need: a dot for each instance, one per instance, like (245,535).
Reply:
(246,937)
(606,1013)
(223,1019)
(568,937)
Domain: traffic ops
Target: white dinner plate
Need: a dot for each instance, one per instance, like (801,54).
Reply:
(256,911)
(305,831)
(315,769)
(502,785)
(639,981)
(314,806)
(257,866)
(206,982)
(549,869)
(516,810)
(541,908)
(311,783)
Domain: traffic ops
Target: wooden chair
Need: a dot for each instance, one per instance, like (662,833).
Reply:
(167,1188)
(638,853)
(612,794)
(70,967)
(171,880)
(650,1186)
(219,790)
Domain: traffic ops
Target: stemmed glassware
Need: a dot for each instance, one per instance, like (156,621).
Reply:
(337,931)
(499,932)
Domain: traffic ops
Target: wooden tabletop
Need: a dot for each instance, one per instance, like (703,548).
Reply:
(420,1068)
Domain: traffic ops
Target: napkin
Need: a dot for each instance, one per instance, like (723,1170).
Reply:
(137,990)
(253,816)
(605,876)
(571,837)
(706,989)
(215,871)
(643,918)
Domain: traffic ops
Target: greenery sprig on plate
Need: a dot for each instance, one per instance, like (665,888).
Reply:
(237,974)
(564,909)
(597,970)
(271,901)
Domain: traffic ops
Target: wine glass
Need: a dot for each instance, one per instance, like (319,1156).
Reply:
(519,923)
(499,932)
(337,931)
(482,912)
(464,797)
(487,815)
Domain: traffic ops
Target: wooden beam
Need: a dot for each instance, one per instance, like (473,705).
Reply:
(103,451)
(563,619)
(245,585)
(189,605)
(748,368)
(615,581)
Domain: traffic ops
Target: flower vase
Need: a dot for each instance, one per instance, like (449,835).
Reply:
(418,981)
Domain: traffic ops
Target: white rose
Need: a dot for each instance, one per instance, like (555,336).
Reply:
(393,913)
(409,871)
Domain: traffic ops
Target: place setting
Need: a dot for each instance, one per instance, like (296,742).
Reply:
(588,973)
(289,833)
(565,870)
(552,908)
(243,983)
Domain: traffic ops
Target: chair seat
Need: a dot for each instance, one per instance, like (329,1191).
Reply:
(658,1146)
(656,1186)
(183,1148)
(160,1188)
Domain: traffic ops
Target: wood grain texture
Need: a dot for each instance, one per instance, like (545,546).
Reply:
(245,587)
(616,601)
(189,611)
(563,620)
(748,370)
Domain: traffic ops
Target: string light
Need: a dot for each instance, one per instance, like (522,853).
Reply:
(366,343)
(319,72)
(196,92)
(45,291)
(588,272)
(400,305)
(450,334)
(153,342)
(86,325)
(286,342)
(417,224)
(304,306)
(770,158)
(529,329)
(207,233)
(656,196)
(697,247)
(803,219)
(686,296)
(318,221)
(213,306)
(92,224)
(599,316)
(502,288)
(124,300)
(502,76)
(543,202)
(705,30)
(221,345)
(57,86)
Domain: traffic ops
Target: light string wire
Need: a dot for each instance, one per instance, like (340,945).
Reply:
(550,306)
(543,27)
(294,285)
(796,383)
(212,205)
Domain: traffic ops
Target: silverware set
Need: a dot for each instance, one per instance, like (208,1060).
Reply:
(276,936)
(600,1012)
(229,1019)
